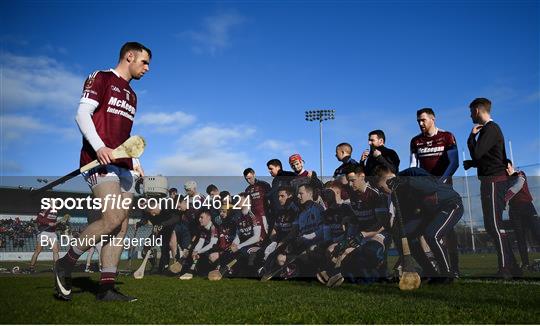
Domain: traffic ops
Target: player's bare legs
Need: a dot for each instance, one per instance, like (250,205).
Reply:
(110,257)
(173,244)
(112,217)
(55,251)
(37,251)
(113,222)
(89,255)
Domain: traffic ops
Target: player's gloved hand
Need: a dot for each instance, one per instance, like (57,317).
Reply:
(394,183)
(467,164)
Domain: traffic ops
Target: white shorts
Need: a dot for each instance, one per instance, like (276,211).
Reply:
(111,173)
(47,239)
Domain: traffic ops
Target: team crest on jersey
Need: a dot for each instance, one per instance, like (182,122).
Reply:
(89,83)
(127,94)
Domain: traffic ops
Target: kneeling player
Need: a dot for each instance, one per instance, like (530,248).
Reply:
(248,240)
(335,218)
(429,208)
(204,247)
(302,241)
(362,254)
(284,219)
(223,259)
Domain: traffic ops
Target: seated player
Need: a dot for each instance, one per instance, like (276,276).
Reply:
(285,217)
(428,208)
(204,247)
(226,233)
(335,218)
(306,234)
(248,238)
(362,254)
(371,225)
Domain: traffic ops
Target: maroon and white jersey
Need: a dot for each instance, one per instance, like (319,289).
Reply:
(246,224)
(258,193)
(518,193)
(44,217)
(207,234)
(431,152)
(113,118)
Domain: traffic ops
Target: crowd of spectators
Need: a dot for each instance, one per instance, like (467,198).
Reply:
(17,231)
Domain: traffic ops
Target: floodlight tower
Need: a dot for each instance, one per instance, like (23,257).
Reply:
(320,115)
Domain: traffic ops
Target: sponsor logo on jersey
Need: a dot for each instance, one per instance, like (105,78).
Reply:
(428,150)
(116,89)
(113,101)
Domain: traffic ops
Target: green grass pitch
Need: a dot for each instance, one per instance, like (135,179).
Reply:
(165,300)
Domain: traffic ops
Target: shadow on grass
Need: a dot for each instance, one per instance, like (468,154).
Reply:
(86,284)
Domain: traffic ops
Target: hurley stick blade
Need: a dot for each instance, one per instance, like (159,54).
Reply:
(409,280)
(214,275)
(175,267)
(133,147)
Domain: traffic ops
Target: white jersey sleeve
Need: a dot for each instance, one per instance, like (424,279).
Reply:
(86,125)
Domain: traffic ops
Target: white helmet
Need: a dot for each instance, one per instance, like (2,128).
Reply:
(155,186)
(190,185)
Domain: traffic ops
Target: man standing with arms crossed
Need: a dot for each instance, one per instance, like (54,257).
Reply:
(105,118)
(488,155)
(435,150)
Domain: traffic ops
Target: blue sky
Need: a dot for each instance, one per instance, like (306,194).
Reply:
(230,81)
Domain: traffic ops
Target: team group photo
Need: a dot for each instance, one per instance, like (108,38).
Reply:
(346,162)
